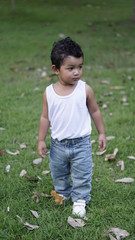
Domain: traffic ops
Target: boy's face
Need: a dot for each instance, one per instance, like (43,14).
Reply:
(70,71)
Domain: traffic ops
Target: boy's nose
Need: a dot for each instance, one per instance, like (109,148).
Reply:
(76,72)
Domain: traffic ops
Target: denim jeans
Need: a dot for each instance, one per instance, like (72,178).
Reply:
(72,157)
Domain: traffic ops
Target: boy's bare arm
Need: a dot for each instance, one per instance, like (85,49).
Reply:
(97,117)
(43,129)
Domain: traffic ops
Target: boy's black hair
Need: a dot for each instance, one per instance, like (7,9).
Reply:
(64,48)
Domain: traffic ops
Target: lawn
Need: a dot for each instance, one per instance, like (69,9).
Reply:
(106,34)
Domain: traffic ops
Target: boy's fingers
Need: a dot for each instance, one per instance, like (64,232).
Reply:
(42,153)
(100,143)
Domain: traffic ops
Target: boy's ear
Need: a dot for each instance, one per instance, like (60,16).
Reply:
(55,70)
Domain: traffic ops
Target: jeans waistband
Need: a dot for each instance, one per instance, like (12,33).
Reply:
(71,141)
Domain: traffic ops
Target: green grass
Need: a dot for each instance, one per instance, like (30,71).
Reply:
(106,34)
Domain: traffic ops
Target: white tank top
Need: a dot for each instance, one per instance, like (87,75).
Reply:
(68,115)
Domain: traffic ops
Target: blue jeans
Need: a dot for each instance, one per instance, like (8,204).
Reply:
(72,157)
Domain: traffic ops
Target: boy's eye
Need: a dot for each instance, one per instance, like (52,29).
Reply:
(70,68)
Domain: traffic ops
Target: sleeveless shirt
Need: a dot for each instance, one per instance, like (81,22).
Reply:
(68,115)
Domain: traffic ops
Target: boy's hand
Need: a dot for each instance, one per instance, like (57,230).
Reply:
(42,150)
(102,142)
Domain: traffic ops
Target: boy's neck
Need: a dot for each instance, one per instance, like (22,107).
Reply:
(64,89)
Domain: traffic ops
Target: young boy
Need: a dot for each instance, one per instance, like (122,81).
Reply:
(67,107)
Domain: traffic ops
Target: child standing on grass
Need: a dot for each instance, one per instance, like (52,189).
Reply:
(67,107)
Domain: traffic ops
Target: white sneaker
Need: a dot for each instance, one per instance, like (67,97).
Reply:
(79,208)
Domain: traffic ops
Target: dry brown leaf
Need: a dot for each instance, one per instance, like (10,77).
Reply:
(106,82)
(105,105)
(117,87)
(2,129)
(22,145)
(131,157)
(58,199)
(121,164)
(37,161)
(108,94)
(26,224)
(125,104)
(14,69)
(36,197)
(43,74)
(93,141)
(22,95)
(111,237)
(45,172)
(61,35)
(123,99)
(20,219)
(8,209)
(23,173)
(93,165)
(110,138)
(32,179)
(119,233)
(112,155)
(75,222)
(13,153)
(36,89)
(125,180)
(100,153)
(8,168)
(34,213)
(48,79)
(30,226)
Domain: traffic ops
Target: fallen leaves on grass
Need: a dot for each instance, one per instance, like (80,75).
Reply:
(105,105)
(22,95)
(131,157)
(13,153)
(111,237)
(121,164)
(58,199)
(45,172)
(106,82)
(119,233)
(93,164)
(8,209)
(125,180)
(112,155)
(2,129)
(32,179)
(110,138)
(30,226)
(8,168)
(100,153)
(48,79)
(61,35)
(37,161)
(34,213)
(93,141)
(15,69)
(36,195)
(123,99)
(22,145)
(75,222)
(27,225)
(117,87)
(23,173)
